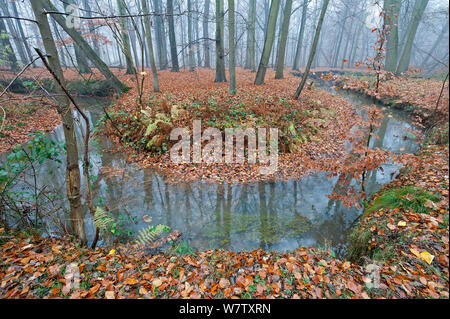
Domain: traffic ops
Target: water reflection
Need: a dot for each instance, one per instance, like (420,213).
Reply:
(269,215)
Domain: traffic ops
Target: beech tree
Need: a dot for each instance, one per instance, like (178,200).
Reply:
(63,108)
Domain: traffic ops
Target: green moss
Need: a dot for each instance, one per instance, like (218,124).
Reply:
(406,197)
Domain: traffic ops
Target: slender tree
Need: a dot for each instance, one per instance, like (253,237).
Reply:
(172,39)
(419,8)
(392,11)
(282,42)
(313,48)
(231,46)
(6,49)
(206,34)
(149,41)
(190,49)
(250,52)
(160,35)
(220,50)
(126,47)
(300,36)
(63,108)
(268,42)
(81,42)
(21,32)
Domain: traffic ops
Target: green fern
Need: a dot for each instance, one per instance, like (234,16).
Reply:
(149,235)
(103,220)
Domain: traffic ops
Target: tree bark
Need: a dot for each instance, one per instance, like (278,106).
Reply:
(72,168)
(172,39)
(231,46)
(206,34)
(392,11)
(160,36)
(148,37)
(250,52)
(268,42)
(283,37)
(220,51)
(190,53)
(418,11)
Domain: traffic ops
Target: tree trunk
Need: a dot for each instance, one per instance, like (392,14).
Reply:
(206,34)
(231,45)
(91,28)
(6,49)
(148,37)
(283,37)
(419,8)
(191,53)
(172,39)
(392,11)
(268,42)
(126,47)
(82,63)
(22,34)
(160,35)
(220,51)
(300,36)
(250,52)
(436,43)
(313,49)
(78,39)
(72,168)
(13,33)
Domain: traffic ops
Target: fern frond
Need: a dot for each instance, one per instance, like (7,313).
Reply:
(102,219)
(149,235)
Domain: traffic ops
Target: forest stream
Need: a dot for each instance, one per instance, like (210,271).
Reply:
(279,215)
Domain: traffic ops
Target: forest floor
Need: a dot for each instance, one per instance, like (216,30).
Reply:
(417,244)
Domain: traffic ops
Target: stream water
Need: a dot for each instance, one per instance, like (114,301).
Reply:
(269,215)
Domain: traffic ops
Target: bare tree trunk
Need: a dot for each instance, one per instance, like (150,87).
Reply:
(13,33)
(6,49)
(191,54)
(250,52)
(300,36)
(22,34)
(418,11)
(231,45)
(126,47)
(160,35)
(283,37)
(268,42)
(78,39)
(220,51)
(313,49)
(148,37)
(72,168)
(392,11)
(206,34)
(172,39)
